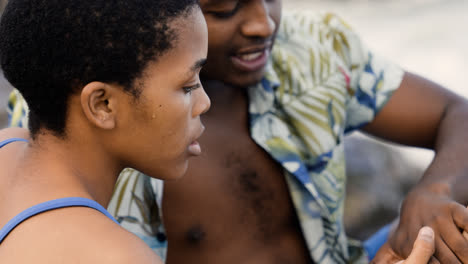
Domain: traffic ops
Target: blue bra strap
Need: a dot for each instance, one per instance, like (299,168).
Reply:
(8,141)
(51,205)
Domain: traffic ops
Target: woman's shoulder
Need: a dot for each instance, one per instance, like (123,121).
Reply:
(101,240)
(78,235)
(14,132)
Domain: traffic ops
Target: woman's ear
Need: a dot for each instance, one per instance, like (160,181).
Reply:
(98,104)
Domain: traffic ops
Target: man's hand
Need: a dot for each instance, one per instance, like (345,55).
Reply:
(429,207)
(422,113)
(423,248)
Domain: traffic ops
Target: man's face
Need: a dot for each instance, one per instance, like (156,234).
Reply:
(163,122)
(240,37)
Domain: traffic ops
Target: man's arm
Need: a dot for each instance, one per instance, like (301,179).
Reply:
(422,113)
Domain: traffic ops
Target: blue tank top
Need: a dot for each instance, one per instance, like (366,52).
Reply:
(49,205)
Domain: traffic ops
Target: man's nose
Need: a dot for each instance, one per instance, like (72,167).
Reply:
(258,22)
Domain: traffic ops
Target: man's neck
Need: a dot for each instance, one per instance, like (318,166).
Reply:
(225,97)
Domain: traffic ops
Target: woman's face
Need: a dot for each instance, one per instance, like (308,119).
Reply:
(163,122)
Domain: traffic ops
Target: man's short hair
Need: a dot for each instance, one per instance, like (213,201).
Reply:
(50,49)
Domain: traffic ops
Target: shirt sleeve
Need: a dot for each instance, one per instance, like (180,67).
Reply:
(17,110)
(329,83)
(136,204)
(372,79)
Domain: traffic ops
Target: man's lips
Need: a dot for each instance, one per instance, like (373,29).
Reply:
(254,48)
(251,61)
(252,58)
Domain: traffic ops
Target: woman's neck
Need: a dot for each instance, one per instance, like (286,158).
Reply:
(70,166)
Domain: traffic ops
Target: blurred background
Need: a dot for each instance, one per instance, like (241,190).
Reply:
(428,37)
(4,87)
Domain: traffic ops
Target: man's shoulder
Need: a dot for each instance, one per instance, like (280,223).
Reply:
(309,23)
(309,48)
(305,37)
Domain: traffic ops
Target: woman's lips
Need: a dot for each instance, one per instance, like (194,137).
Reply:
(194,148)
(252,61)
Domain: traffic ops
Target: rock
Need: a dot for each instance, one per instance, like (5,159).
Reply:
(379,176)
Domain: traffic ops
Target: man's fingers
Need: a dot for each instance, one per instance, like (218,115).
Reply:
(453,247)
(465,234)
(423,247)
(443,253)
(460,216)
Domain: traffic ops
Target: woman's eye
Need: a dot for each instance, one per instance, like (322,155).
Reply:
(189,89)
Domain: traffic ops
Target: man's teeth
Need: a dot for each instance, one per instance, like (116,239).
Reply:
(251,56)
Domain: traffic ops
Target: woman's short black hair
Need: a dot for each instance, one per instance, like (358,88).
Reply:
(50,49)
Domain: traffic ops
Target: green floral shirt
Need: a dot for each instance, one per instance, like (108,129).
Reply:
(321,83)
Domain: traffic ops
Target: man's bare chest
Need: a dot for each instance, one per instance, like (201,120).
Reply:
(237,178)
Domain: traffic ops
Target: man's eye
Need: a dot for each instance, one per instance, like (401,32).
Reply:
(189,89)
(225,14)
